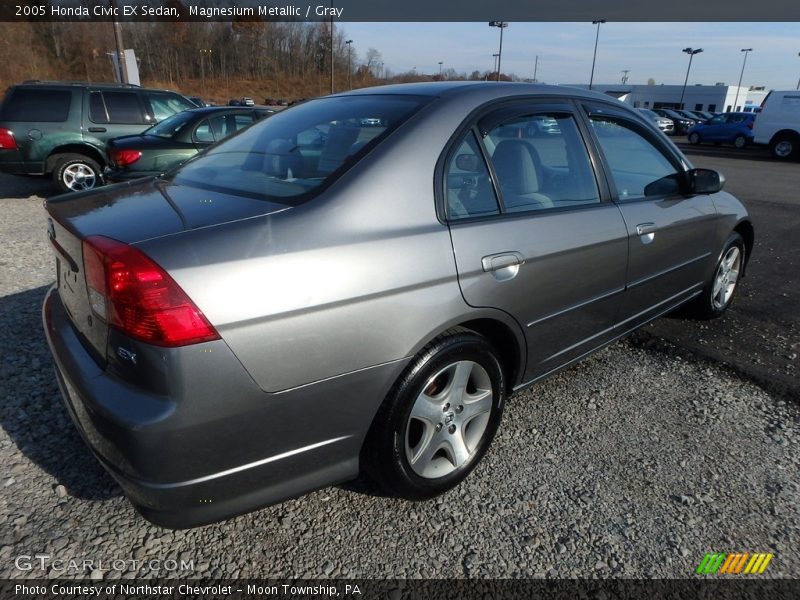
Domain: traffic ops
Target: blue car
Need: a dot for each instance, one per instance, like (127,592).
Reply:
(729,128)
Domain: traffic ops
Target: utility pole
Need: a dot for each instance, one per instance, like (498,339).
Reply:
(349,63)
(535,68)
(331,48)
(625,75)
(122,68)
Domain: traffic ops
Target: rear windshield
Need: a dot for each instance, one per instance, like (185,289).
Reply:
(296,153)
(37,105)
(171,125)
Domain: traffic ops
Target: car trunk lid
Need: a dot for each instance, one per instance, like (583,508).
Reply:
(129,214)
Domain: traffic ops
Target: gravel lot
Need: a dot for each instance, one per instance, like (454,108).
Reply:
(634,463)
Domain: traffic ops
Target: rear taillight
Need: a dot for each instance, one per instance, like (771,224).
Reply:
(7,141)
(750,124)
(133,294)
(123,158)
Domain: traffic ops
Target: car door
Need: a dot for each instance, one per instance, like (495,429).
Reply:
(113,113)
(670,235)
(531,232)
(712,130)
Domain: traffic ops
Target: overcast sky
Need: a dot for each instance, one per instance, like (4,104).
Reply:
(565,50)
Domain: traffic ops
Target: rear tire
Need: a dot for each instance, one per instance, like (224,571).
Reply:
(439,418)
(784,146)
(740,141)
(718,292)
(76,173)
(694,138)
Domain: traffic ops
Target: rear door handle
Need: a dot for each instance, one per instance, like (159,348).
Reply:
(97,129)
(503,265)
(645,228)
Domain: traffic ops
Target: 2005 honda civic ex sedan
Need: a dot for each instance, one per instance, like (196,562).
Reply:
(360,282)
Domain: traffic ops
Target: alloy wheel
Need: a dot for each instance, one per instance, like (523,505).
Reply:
(726,278)
(78,177)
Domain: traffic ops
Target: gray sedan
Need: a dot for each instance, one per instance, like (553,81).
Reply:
(360,282)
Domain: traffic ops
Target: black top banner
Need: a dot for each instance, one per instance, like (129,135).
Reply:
(399,10)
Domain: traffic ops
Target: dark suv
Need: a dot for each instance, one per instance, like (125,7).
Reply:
(62,128)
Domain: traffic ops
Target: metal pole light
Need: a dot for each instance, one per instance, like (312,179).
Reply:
(440,69)
(691,52)
(495,62)
(349,63)
(501,25)
(736,99)
(798,81)
(594,56)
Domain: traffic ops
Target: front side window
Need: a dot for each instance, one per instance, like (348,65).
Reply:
(541,162)
(123,107)
(638,168)
(163,105)
(298,151)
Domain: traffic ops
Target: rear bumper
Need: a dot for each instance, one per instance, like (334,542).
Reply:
(201,454)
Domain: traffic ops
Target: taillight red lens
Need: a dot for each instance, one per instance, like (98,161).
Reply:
(123,158)
(750,125)
(132,293)
(7,141)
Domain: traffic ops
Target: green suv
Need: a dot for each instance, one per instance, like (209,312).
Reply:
(61,129)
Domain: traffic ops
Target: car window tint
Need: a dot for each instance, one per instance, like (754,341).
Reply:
(638,168)
(203,133)
(468,186)
(242,121)
(718,120)
(123,107)
(50,106)
(541,162)
(163,105)
(97,108)
(294,153)
(221,126)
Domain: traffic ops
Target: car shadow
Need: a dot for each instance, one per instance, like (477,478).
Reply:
(32,412)
(25,186)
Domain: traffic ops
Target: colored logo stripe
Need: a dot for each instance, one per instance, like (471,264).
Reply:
(734,563)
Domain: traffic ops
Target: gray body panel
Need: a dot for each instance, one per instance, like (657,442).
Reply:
(321,306)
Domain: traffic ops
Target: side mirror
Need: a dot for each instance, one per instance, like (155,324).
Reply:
(467,162)
(705,181)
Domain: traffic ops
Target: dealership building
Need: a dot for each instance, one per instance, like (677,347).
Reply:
(714,98)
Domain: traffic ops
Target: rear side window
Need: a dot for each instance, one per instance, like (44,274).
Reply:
(51,106)
(467,183)
(296,153)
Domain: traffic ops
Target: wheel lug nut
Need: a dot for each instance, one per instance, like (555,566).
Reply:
(438,427)
(459,408)
(446,407)
(451,429)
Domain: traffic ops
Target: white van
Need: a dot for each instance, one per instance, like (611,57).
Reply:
(778,124)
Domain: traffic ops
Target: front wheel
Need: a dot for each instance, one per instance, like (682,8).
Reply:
(718,293)
(439,418)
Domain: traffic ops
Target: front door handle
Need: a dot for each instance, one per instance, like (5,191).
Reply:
(97,129)
(503,265)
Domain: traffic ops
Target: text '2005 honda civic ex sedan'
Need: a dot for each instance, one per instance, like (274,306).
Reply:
(359,283)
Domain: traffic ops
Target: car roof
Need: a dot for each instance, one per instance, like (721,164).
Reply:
(85,84)
(489,88)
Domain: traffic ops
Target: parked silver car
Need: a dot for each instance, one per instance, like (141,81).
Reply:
(312,297)
(664,124)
